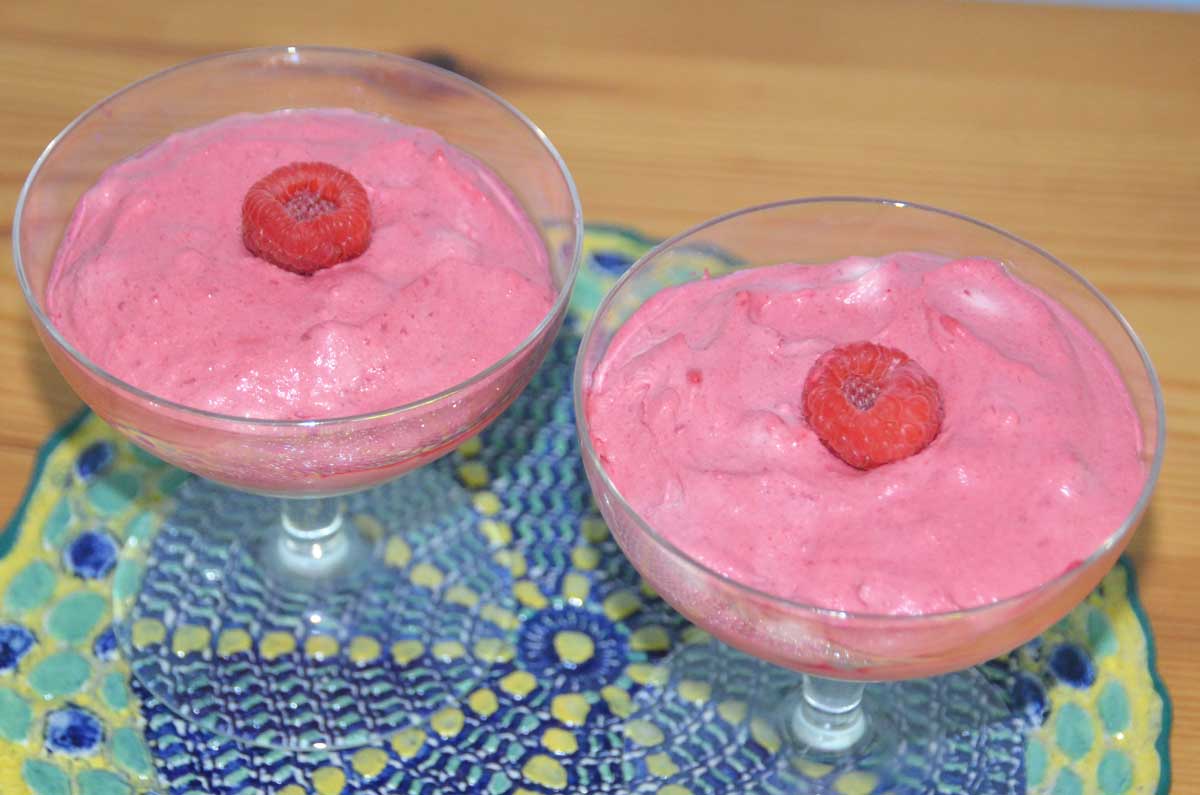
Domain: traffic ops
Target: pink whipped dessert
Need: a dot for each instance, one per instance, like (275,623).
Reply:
(696,413)
(153,281)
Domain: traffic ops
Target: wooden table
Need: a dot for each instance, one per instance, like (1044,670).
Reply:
(1075,128)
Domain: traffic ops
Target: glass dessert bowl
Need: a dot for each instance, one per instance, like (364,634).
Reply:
(822,712)
(298,534)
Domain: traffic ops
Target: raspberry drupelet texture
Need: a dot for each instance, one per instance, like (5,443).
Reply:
(871,405)
(306,216)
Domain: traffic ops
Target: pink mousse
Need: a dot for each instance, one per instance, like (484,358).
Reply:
(152,281)
(696,414)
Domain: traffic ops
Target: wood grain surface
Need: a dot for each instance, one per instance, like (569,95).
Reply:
(1076,128)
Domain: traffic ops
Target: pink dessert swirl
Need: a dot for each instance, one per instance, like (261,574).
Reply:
(696,414)
(154,284)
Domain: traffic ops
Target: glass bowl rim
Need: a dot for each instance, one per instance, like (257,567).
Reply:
(295,52)
(588,451)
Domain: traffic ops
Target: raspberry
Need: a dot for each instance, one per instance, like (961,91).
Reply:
(306,216)
(871,405)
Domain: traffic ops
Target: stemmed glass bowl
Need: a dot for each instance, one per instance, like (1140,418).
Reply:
(291,557)
(834,651)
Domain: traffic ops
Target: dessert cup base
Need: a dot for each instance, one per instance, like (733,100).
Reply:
(333,635)
(325,555)
(922,733)
(826,715)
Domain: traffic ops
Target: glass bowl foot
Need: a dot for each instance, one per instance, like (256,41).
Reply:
(332,625)
(715,715)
